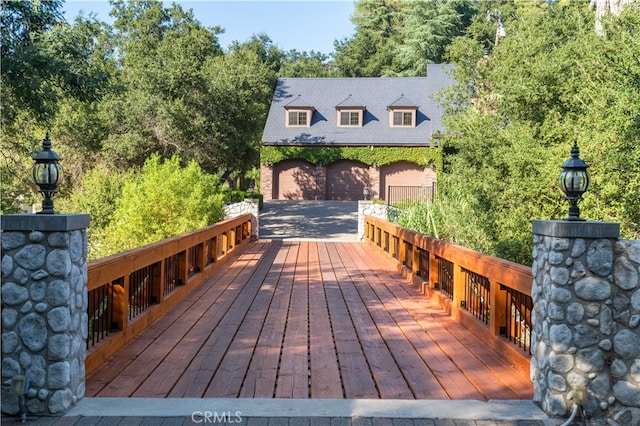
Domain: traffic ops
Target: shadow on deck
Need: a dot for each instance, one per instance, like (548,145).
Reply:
(314,319)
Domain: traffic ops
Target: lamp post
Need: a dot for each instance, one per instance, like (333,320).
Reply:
(251,190)
(47,172)
(366,192)
(574,181)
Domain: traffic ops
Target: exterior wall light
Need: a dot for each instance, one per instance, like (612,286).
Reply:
(47,173)
(574,181)
(366,192)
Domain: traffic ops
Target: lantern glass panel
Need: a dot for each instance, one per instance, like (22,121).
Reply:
(47,173)
(574,183)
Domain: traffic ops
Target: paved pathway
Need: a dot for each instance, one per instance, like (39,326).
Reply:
(305,220)
(294,412)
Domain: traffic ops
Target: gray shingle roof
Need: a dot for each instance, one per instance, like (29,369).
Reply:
(377,94)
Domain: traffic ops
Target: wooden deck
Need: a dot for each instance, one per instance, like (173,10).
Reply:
(291,319)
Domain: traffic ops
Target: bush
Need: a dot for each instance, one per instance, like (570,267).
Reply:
(162,201)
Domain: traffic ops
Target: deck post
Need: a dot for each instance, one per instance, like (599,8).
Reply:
(44,312)
(585,338)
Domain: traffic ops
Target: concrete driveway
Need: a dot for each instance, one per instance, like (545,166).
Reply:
(309,220)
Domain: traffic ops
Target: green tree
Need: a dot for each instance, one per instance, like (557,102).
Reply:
(312,64)
(45,62)
(163,200)
(371,51)
(96,194)
(551,81)
(398,38)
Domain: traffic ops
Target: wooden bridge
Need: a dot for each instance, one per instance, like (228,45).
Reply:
(399,316)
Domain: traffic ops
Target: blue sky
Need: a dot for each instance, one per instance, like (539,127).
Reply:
(303,25)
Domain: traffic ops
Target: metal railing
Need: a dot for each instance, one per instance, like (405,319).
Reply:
(483,292)
(145,282)
(401,196)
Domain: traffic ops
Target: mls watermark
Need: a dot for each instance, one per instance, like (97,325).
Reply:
(224,417)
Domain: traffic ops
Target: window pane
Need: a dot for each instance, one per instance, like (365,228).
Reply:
(350,118)
(403,118)
(344,118)
(297,118)
(397,118)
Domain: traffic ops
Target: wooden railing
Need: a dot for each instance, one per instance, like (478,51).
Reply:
(130,290)
(491,296)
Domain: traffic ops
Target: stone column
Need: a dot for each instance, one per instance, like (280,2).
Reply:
(44,309)
(585,337)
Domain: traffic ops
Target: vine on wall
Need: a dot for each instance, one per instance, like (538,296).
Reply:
(423,156)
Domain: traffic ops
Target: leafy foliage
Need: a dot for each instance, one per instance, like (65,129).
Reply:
(162,201)
(552,80)
(398,38)
(380,155)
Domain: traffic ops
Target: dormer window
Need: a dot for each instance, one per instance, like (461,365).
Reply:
(299,113)
(401,118)
(402,113)
(298,118)
(350,117)
(350,113)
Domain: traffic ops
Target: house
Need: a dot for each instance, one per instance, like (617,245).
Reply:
(329,138)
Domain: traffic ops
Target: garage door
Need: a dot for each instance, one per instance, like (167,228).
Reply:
(404,173)
(294,180)
(346,180)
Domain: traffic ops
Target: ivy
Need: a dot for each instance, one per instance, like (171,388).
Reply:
(423,156)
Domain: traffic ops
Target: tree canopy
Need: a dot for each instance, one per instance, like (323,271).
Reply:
(157,85)
(551,81)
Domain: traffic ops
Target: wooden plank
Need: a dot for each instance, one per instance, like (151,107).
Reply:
(354,370)
(387,284)
(386,373)
(415,371)
(177,361)
(293,380)
(229,377)
(102,382)
(325,373)
(444,331)
(196,378)
(317,319)
(260,380)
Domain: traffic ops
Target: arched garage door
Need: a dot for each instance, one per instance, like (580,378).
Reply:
(346,180)
(404,173)
(294,180)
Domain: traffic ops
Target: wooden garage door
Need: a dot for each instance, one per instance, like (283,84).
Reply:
(346,180)
(294,180)
(404,173)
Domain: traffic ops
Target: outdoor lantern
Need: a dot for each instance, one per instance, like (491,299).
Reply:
(251,191)
(365,192)
(574,181)
(47,173)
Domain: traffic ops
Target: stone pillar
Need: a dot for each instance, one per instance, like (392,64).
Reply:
(321,181)
(266,182)
(44,309)
(585,339)
(249,205)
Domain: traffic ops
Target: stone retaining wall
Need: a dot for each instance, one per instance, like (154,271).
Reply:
(249,205)
(381,211)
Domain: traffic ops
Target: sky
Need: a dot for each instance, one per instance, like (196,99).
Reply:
(303,25)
